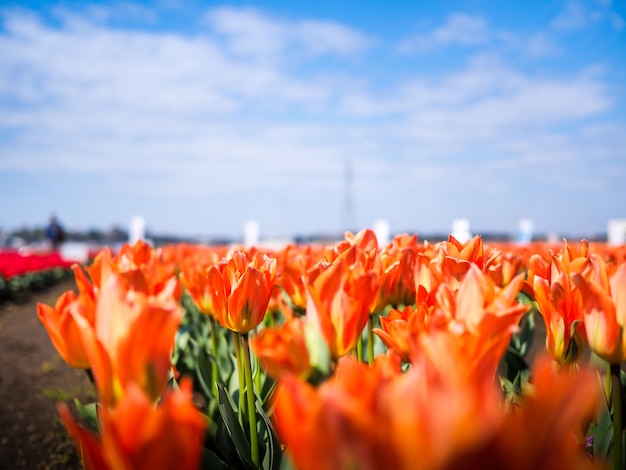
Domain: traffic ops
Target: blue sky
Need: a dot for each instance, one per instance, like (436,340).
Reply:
(200,116)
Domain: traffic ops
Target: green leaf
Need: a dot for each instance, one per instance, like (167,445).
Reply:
(298,311)
(267,391)
(273,456)
(233,381)
(623,394)
(212,461)
(514,363)
(524,298)
(226,447)
(319,354)
(286,463)
(225,364)
(602,430)
(527,335)
(233,427)
(88,413)
(182,339)
(203,373)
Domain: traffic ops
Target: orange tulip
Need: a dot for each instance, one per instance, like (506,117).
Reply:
(294,264)
(471,251)
(561,307)
(446,412)
(339,301)
(545,431)
(365,240)
(337,425)
(449,261)
(377,419)
(112,325)
(604,309)
(142,268)
(442,263)
(571,259)
(396,266)
(426,279)
(60,324)
(283,350)
(131,338)
(193,270)
(502,267)
(138,434)
(476,321)
(241,290)
(179,254)
(194,278)
(63,331)
(399,328)
(477,297)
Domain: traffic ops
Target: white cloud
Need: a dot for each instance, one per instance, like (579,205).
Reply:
(486,99)
(201,124)
(252,34)
(460,28)
(574,16)
(541,45)
(249,32)
(474,31)
(93,13)
(579,15)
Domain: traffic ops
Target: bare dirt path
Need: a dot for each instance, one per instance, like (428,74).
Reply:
(33,378)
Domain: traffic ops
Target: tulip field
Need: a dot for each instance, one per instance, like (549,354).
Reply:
(21,273)
(413,355)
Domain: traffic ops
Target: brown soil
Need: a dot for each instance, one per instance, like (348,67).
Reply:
(33,378)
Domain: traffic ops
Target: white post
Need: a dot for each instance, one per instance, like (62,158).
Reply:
(525,230)
(616,232)
(137,230)
(251,233)
(382,231)
(461,230)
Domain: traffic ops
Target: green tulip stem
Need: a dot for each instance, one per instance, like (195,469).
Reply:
(607,383)
(214,375)
(254,446)
(359,348)
(240,370)
(370,340)
(616,391)
(257,376)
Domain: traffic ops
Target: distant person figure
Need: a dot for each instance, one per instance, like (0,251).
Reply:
(55,233)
